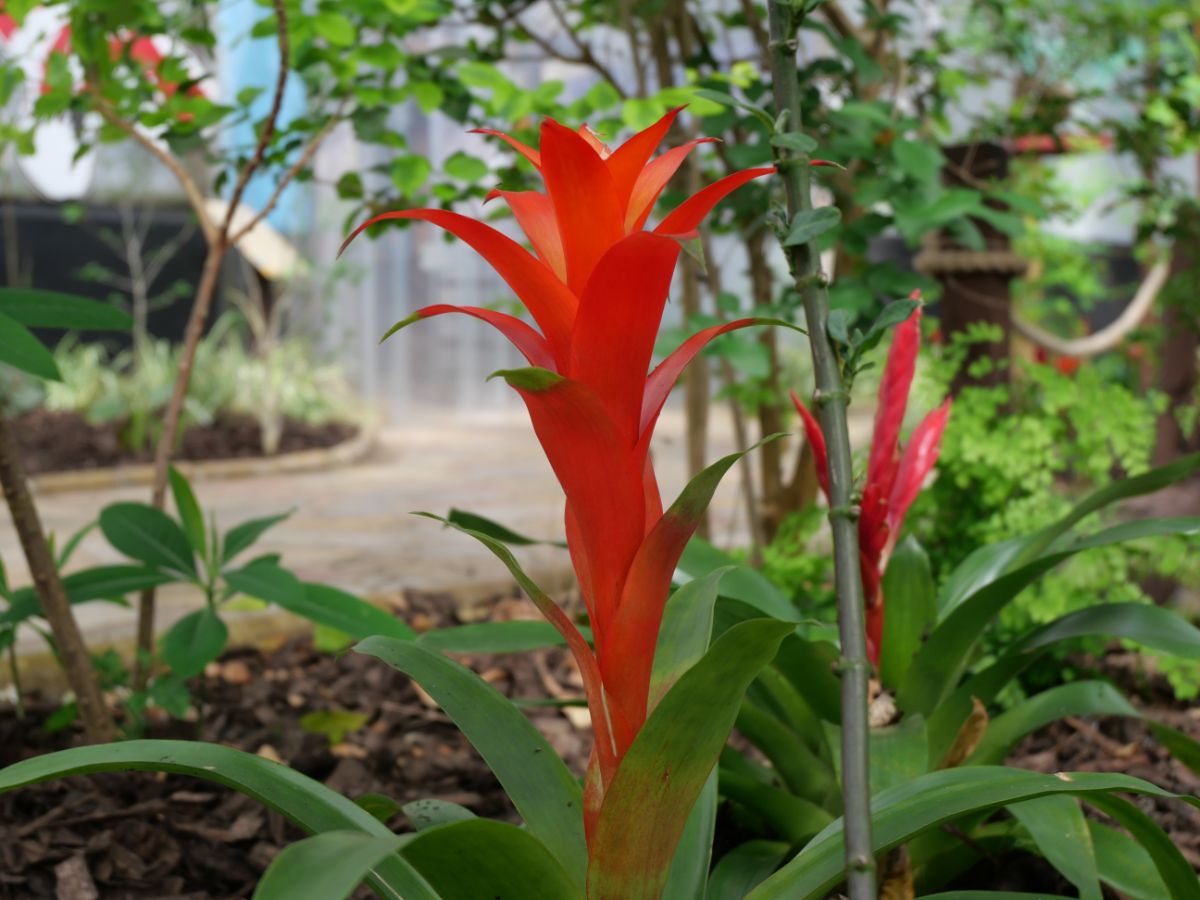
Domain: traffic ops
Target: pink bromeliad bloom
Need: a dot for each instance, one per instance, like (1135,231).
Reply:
(894,478)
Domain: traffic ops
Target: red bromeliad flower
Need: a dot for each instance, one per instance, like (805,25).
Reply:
(596,289)
(893,479)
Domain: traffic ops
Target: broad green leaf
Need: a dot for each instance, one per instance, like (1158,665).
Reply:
(189,512)
(992,895)
(482,858)
(805,774)
(729,100)
(239,537)
(788,816)
(810,666)
(1060,832)
(1150,625)
(516,636)
(307,803)
(683,636)
(794,140)
(1079,698)
(193,642)
(50,309)
(911,610)
(742,583)
(904,811)
(266,580)
(1177,873)
(493,529)
(898,753)
(424,814)
(22,350)
(943,658)
(381,806)
(811,223)
(328,865)
(1124,863)
(543,790)
(148,535)
(920,159)
(100,583)
(646,806)
(744,867)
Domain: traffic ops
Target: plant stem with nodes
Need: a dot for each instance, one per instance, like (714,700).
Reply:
(831,398)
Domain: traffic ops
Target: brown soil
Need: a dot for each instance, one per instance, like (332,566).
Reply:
(146,835)
(65,441)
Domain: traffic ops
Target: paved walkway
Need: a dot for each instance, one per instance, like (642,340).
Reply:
(352,527)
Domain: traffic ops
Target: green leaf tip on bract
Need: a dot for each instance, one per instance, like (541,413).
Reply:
(403,323)
(533,378)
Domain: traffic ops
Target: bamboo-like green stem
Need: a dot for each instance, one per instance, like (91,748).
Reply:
(831,398)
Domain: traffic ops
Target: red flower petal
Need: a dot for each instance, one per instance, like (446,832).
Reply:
(531,344)
(585,201)
(653,179)
(667,372)
(893,398)
(602,149)
(524,149)
(547,299)
(600,474)
(619,315)
(691,212)
(627,161)
(534,212)
(919,457)
(816,440)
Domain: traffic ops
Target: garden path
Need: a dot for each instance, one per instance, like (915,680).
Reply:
(352,527)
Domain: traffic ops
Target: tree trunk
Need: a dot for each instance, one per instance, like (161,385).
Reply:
(93,712)
(1177,354)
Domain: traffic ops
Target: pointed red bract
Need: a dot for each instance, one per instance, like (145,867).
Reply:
(653,179)
(629,161)
(892,402)
(531,344)
(524,149)
(691,212)
(534,212)
(816,440)
(585,200)
(918,459)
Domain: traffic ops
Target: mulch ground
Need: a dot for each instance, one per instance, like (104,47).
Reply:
(66,441)
(147,835)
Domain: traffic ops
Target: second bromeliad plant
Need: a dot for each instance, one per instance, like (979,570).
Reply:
(662,692)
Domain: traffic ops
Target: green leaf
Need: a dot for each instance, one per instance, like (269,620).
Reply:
(493,529)
(20,349)
(811,223)
(742,583)
(427,94)
(912,608)
(729,100)
(423,814)
(240,537)
(794,140)
(464,167)
(50,309)
(1177,873)
(744,868)
(307,803)
(478,858)
(409,173)
(335,28)
(333,724)
(943,658)
(790,817)
(189,511)
(1060,832)
(898,753)
(193,642)
(267,580)
(904,811)
(148,535)
(325,605)
(494,637)
(328,865)
(1124,864)
(837,325)
(893,314)
(646,806)
(543,790)
(1154,627)
(100,583)
(380,806)
(993,895)
(922,160)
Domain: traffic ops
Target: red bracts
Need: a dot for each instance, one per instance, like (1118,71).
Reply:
(893,478)
(595,286)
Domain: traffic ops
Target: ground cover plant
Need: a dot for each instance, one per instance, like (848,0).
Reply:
(868,746)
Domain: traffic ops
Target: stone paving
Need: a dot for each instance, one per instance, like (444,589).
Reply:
(351,526)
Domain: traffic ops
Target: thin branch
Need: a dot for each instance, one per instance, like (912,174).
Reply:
(191,190)
(585,57)
(287,177)
(269,124)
